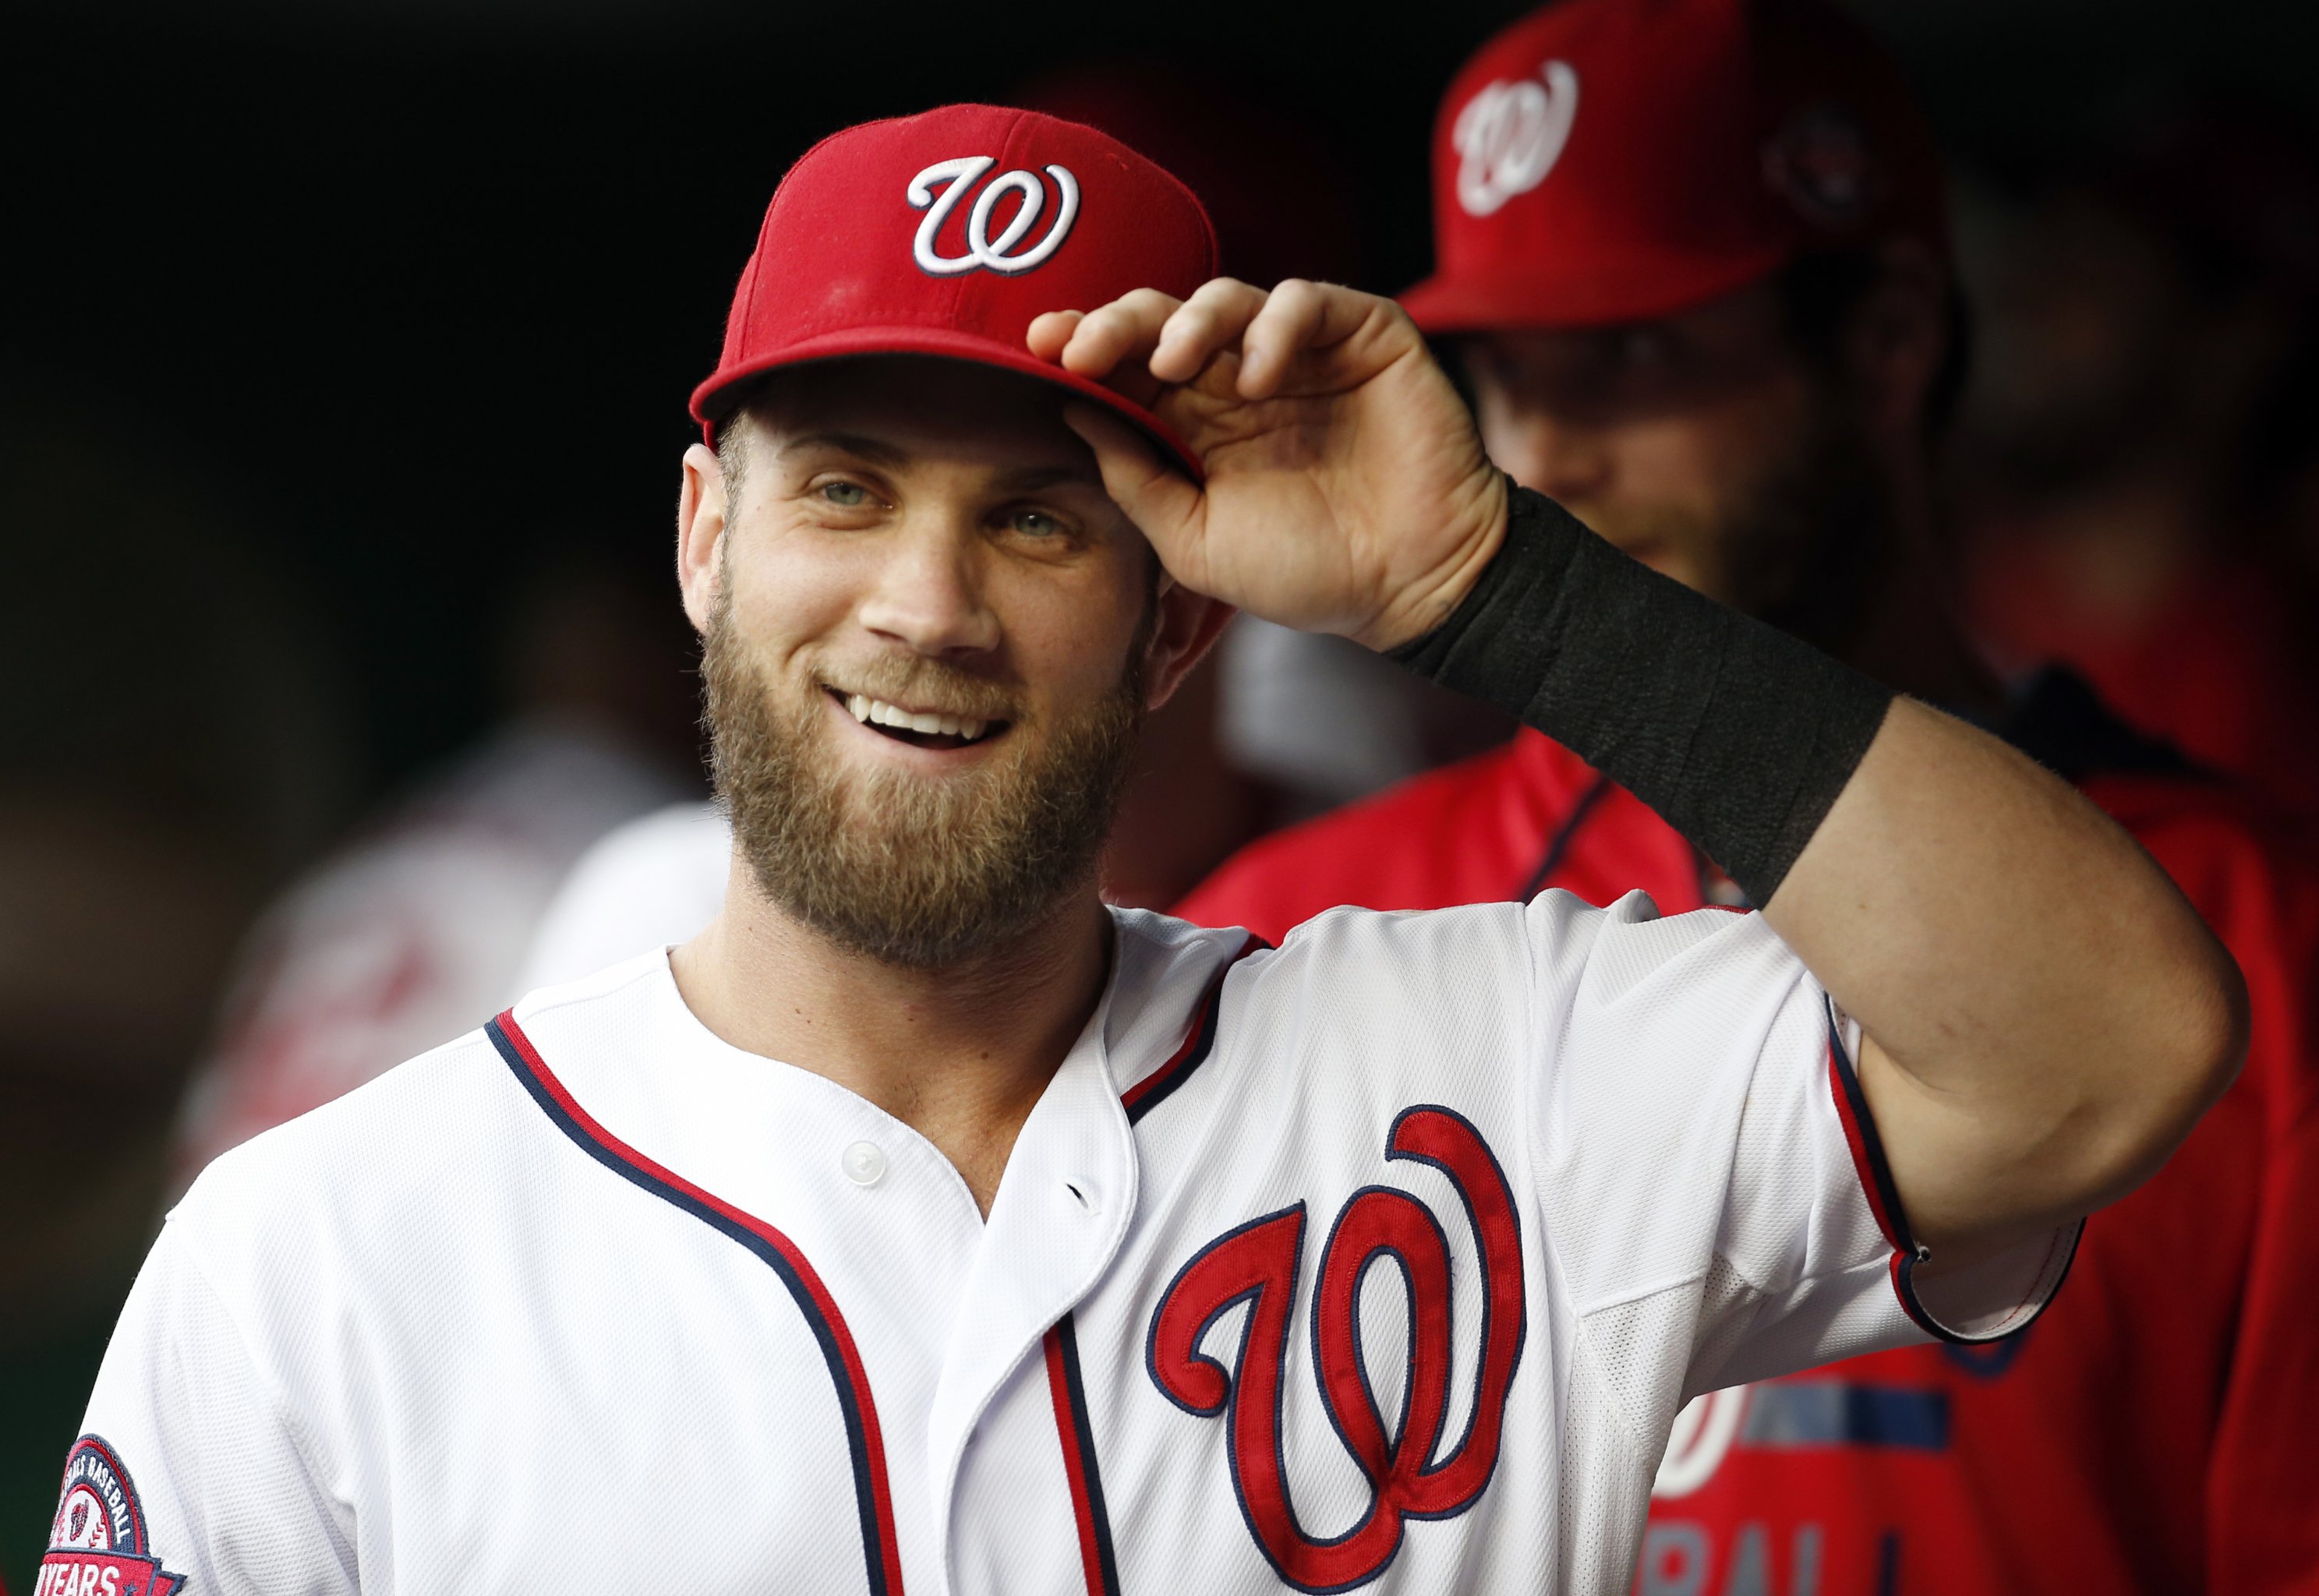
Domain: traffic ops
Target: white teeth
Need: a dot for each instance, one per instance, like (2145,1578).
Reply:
(878,712)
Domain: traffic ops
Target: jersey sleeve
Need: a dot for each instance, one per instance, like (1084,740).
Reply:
(1706,1155)
(189,1474)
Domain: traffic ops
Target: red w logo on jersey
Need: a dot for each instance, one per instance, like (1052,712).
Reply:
(1412,1473)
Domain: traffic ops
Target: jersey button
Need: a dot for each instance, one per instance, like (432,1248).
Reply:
(864,1164)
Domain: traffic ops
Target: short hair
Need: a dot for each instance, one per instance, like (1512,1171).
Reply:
(728,433)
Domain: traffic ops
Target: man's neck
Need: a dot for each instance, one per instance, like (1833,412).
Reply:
(961,1054)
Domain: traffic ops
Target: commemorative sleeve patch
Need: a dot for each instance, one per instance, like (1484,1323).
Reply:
(98,1545)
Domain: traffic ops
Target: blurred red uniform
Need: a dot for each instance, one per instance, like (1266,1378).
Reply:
(2224,669)
(2155,1431)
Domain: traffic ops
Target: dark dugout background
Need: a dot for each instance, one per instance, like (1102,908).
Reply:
(404,285)
(385,298)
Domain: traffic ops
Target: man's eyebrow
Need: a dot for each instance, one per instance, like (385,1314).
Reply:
(851,443)
(1016,479)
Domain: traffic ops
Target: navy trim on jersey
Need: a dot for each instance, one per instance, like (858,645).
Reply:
(1394,1152)
(1069,1391)
(1396,1434)
(1868,1147)
(1157,1087)
(1559,847)
(872,1498)
(1884,1200)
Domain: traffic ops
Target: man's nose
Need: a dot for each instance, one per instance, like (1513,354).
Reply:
(928,593)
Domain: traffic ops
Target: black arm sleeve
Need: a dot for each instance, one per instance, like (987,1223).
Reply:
(1737,734)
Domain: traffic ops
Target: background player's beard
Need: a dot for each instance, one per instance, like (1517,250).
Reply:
(1808,547)
(1819,541)
(922,872)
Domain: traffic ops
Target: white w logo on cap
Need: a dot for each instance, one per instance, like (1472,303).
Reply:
(985,253)
(1511,134)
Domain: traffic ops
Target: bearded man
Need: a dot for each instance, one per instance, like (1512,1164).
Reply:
(1694,261)
(924,1223)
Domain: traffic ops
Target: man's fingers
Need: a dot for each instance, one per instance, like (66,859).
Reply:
(1050,332)
(1211,320)
(1297,317)
(1127,327)
(1156,497)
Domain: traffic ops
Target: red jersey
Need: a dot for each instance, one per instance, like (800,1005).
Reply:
(2224,669)
(2157,1430)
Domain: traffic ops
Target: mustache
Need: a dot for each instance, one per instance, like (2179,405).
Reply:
(925,684)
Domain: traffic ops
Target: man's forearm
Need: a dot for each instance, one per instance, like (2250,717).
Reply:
(2046,1016)
(1740,734)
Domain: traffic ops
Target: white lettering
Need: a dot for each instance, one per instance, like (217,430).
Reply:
(1510,135)
(1702,1433)
(985,253)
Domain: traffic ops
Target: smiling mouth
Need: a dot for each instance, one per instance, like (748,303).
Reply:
(918,728)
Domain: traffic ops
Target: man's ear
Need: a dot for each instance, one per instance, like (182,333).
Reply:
(1899,337)
(1186,627)
(700,521)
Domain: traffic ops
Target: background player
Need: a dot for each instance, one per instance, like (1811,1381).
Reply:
(615,1283)
(1748,400)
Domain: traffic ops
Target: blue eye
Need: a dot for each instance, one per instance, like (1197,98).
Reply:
(845,495)
(1032,523)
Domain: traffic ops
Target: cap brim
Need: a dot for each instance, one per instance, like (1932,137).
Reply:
(946,344)
(1540,298)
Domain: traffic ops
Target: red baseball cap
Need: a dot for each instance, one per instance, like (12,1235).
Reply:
(945,233)
(1618,160)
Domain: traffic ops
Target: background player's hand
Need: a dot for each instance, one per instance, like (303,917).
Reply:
(1346,488)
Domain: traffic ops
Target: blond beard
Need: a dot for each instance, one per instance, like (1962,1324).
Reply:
(926,873)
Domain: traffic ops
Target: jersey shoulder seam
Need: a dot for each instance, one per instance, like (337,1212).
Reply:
(1629,1296)
(1530,1069)
(645,968)
(1587,1363)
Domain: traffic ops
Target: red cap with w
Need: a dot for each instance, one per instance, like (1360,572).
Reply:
(946,233)
(1620,160)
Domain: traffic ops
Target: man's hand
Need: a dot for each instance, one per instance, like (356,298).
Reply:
(1346,487)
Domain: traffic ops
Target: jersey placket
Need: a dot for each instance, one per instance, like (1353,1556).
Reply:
(1060,1216)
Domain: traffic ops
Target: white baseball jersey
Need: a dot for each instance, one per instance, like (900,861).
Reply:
(1380,1261)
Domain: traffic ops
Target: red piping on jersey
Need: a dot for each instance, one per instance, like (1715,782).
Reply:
(1876,1180)
(885,1567)
(1199,1040)
(1884,1200)
(1096,1562)
(1867,1159)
